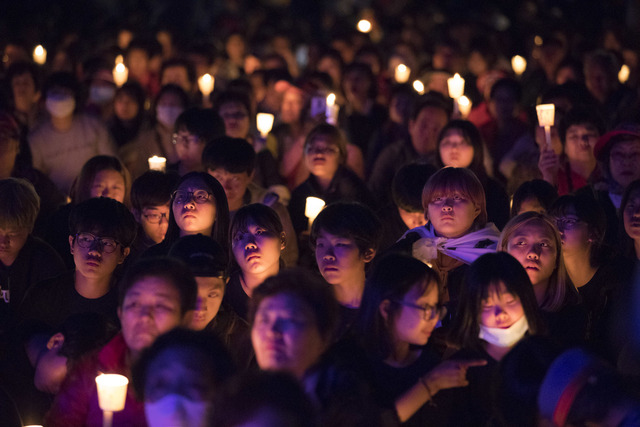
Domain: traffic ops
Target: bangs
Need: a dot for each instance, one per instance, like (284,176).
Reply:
(258,214)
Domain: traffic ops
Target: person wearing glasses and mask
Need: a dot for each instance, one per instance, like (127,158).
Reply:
(101,233)
(325,154)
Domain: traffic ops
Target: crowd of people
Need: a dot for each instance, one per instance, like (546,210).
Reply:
(468,268)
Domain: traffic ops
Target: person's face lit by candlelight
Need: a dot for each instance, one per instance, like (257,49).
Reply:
(194,208)
(108,183)
(236,119)
(154,221)
(210,293)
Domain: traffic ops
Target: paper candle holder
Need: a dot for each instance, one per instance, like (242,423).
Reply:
(112,391)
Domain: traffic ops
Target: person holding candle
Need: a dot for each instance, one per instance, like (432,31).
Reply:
(325,155)
(154,297)
(63,143)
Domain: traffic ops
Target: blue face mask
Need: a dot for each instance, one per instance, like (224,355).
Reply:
(101,94)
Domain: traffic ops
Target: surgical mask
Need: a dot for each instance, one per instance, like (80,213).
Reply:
(60,107)
(505,337)
(177,411)
(168,115)
(101,94)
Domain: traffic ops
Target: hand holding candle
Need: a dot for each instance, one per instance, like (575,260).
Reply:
(546,115)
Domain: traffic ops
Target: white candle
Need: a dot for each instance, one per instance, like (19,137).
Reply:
(157,163)
(456,86)
(464,104)
(418,86)
(206,83)
(112,391)
(120,74)
(39,55)
(623,74)
(332,110)
(546,115)
(119,60)
(518,64)
(312,208)
(402,73)
(364,26)
(264,122)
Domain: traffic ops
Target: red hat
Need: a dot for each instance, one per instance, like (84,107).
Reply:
(604,144)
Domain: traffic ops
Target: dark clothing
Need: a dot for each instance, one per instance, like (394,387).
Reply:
(53,301)
(360,128)
(36,262)
(568,326)
(266,170)
(57,234)
(345,186)
(346,320)
(393,228)
(498,202)
(235,334)
(236,297)
(390,133)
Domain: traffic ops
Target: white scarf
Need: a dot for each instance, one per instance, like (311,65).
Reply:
(466,248)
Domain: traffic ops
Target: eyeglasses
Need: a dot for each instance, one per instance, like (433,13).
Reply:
(156,218)
(184,140)
(567,223)
(87,240)
(181,196)
(429,312)
(314,149)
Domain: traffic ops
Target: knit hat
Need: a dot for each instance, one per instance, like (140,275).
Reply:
(203,255)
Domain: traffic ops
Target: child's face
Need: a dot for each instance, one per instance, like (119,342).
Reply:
(12,241)
(411,324)
(155,221)
(96,256)
(452,215)
(339,259)
(108,183)
(501,309)
(210,293)
(534,247)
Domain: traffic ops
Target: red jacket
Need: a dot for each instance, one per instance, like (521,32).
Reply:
(76,404)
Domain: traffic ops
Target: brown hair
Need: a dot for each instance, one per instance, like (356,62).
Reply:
(335,137)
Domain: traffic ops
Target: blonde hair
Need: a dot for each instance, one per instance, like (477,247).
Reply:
(560,286)
(449,180)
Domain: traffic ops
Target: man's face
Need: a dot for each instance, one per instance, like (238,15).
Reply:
(96,256)
(424,130)
(623,162)
(234,184)
(210,293)
(236,119)
(155,221)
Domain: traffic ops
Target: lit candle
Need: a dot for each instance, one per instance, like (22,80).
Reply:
(456,86)
(312,208)
(418,86)
(264,122)
(623,74)
(112,394)
(364,26)
(546,114)
(205,83)
(120,74)
(332,109)
(402,73)
(519,64)
(39,55)
(119,60)
(157,163)
(464,104)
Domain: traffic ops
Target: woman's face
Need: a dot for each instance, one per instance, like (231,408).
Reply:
(125,107)
(452,215)
(535,248)
(501,309)
(108,183)
(321,156)
(256,249)
(291,107)
(412,324)
(455,149)
(194,216)
(285,335)
(574,232)
(631,215)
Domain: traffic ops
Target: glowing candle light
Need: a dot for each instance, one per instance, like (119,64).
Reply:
(264,122)
(120,74)
(623,74)
(206,83)
(157,163)
(331,99)
(112,394)
(546,115)
(418,86)
(464,105)
(332,109)
(312,208)
(456,86)
(519,65)
(119,60)
(402,73)
(39,55)
(364,26)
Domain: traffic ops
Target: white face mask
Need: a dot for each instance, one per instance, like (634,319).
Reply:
(60,107)
(176,410)
(505,337)
(168,115)
(101,94)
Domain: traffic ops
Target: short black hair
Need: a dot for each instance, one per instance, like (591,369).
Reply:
(204,123)
(153,188)
(408,183)
(235,96)
(538,189)
(104,216)
(22,67)
(349,219)
(170,269)
(582,115)
(235,155)
(179,62)
(173,89)
(63,80)
(432,99)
